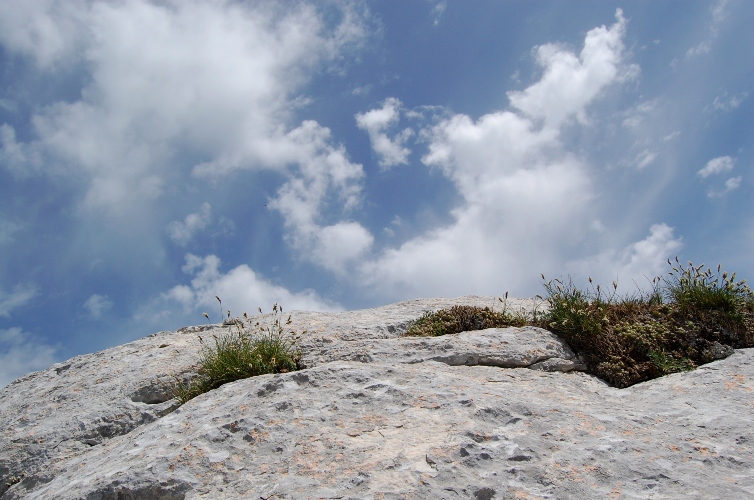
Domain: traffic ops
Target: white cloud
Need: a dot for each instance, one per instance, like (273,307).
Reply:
(721,165)
(362,90)
(47,30)
(636,116)
(391,151)
(645,158)
(634,265)
(215,80)
(437,11)
(671,136)
(98,304)
(18,158)
(730,185)
(725,102)
(717,165)
(8,105)
(21,294)
(570,82)
(184,230)
(241,290)
(324,174)
(7,229)
(339,244)
(526,202)
(703,48)
(634,121)
(397,222)
(718,16)
(503,240)
(21,353)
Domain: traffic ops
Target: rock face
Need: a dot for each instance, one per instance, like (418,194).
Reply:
(499,413)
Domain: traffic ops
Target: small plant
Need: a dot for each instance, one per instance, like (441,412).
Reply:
(459,319)
(247,350)
(668,364)
(11,480)
(581,315)
(692,317)
(700,292)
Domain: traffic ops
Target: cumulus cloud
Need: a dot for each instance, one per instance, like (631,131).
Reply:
(8,105)
(569,82)
(718,16)
(634,265)
(437,12)
(19,159)
(49,31)
(725,102)
(97,304)
(645,158)
(636,116)
(337,245)
(730,185)
(671,136)
(215,80)
(213,83)
(390,151)
(720,165)
(717,165)
(21,295)
(526,201)
(21,353)
(8,228)
(324,173)
(733,183)
(503,239)
(241,290)
(184,230)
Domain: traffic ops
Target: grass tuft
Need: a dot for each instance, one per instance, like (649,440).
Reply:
(459,319)
(248,349)
(691,317)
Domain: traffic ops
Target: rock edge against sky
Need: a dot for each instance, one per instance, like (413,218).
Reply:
(498,413)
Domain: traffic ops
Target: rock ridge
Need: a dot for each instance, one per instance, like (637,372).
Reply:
(497,413)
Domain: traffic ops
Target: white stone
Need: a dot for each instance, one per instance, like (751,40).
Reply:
(486,414)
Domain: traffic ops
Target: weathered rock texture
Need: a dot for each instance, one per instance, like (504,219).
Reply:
(499,413)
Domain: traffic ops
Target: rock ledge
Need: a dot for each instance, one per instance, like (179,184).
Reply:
(498,413)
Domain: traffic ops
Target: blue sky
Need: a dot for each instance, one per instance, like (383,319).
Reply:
(343,154)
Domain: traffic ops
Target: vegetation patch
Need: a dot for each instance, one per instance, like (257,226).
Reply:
(690,317)
(248,349)
(459,319)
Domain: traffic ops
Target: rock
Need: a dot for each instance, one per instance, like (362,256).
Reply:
(498,413)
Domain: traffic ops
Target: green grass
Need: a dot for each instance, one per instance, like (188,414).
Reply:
(459,319)
(691,317)
(248,349)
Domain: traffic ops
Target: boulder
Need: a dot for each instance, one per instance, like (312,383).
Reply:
(498,413)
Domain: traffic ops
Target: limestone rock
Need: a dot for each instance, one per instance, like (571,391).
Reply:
(498,413)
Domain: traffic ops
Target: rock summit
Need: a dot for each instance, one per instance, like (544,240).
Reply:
(490,414)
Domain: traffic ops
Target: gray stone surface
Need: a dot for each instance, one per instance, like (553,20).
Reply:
(499,413)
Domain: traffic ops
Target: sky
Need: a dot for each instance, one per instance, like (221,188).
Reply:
(338,155)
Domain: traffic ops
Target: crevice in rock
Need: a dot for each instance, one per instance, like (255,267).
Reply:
(171,489)
(153,394)
(61,369)
(400,328)
(542,363)
(195,329)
